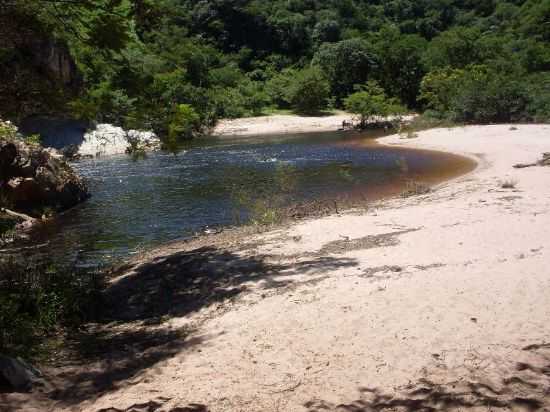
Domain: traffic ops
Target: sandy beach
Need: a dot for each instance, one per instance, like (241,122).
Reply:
(281,124)
(434,301)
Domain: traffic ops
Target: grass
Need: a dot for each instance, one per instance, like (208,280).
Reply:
(40,300)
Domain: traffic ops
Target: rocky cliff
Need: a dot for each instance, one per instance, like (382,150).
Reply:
(37,72)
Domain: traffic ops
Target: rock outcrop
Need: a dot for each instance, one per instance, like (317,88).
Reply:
(33,178)
(78,139)
(106,139)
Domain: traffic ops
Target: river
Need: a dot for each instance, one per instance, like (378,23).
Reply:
(213,183)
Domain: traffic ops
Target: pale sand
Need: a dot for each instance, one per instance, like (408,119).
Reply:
(281,124)
(434,301)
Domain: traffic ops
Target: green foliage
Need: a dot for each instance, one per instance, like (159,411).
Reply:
(308,91)
(8,131)
(480,93)
(33,139)
(38,299)
(454,48)
(400,68)
(346,64)
(225,58)
(439,87)
(370,103)
(184,123)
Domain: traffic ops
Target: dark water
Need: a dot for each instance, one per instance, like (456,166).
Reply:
(140,204)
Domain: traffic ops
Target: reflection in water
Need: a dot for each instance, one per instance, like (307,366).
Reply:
(212,182)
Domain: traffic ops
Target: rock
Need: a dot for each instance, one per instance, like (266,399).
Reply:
(18,374)
(107,139)
(33,178)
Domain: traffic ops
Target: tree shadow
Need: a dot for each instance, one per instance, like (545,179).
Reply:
(107,360)
(527,389)
(185,282)
(132,335)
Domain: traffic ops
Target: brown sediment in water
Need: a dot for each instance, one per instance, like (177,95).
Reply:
(442,167)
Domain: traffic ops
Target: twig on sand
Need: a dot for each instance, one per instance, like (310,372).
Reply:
(524,165)
(545,161)
(289,389)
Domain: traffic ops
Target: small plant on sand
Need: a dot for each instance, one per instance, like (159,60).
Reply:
(415,188)
(509,184)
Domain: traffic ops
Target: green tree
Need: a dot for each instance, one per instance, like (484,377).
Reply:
(308,91)
(455,48)
(184,123)
(370,103)
(346,64)
(400,70)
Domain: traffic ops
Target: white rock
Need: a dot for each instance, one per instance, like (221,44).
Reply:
(107,139)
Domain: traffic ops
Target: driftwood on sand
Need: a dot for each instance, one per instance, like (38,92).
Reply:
(545,161)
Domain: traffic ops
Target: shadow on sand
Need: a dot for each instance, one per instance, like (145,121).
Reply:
(527,388)
(133,337)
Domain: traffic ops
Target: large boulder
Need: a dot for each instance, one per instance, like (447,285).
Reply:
(106,139)
(33,178)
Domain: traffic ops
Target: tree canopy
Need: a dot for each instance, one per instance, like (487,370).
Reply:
(136,60)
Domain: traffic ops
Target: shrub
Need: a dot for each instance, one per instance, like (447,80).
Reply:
(277,87)
(484,94)
(38,299)
(255,98)
(370,102)
(8,130)
(184,124)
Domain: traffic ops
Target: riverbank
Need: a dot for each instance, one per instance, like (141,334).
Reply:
(279,124)
(282,124)
(430,301)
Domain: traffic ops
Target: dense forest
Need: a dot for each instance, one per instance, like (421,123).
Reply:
(177,66)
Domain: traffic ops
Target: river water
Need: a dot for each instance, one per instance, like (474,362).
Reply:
(221,182)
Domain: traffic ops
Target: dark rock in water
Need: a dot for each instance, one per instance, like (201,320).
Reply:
(20,376)
(33,178)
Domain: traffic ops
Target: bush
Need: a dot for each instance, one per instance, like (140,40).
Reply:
(483,94)
(184,124)
(370,102)
(255,98)
(308,91)
(346,63)
(37,299)
(277,87)
(8,131)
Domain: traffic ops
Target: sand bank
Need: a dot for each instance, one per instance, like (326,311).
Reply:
(434,301)
(281,124)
